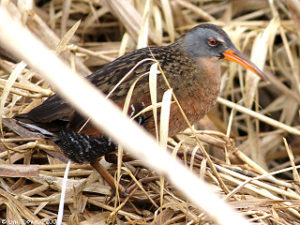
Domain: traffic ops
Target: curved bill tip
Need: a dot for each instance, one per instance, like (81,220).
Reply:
(236,56)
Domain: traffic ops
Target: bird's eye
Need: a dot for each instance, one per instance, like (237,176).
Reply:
(212,42)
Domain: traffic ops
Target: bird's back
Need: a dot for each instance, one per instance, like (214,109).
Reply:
(120,75)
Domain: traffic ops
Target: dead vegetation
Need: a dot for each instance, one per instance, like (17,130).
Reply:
(254,144)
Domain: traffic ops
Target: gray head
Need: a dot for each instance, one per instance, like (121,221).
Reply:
(207,40)
(211,41)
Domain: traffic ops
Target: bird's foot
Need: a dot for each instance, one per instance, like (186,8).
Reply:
(125,191)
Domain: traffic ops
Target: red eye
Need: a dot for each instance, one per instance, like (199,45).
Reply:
(212,42)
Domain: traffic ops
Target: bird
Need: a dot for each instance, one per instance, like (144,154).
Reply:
(192,67)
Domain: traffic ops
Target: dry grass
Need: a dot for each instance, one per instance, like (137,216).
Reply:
(255,157)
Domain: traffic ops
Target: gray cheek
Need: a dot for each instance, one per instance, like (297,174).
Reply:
(195,47)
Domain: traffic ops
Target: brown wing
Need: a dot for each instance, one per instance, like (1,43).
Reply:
(56,108)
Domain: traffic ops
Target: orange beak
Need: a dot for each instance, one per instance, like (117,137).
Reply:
(236,56)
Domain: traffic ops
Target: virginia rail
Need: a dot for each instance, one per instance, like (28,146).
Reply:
(192,67)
